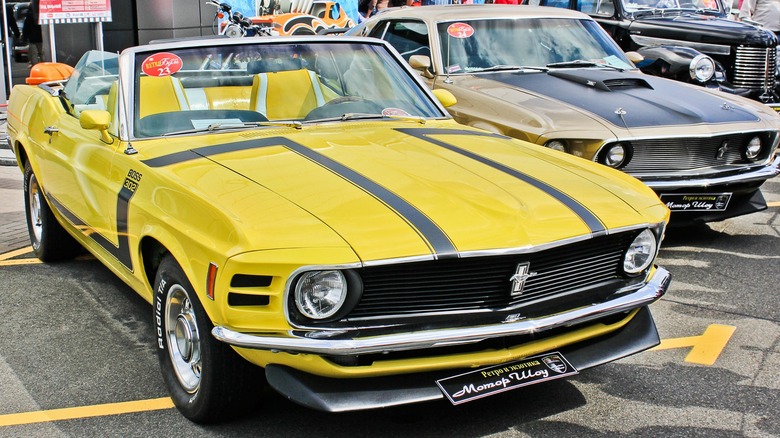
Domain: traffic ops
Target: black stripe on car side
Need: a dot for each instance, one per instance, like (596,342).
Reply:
(591,220)
(121,251)
(439,243)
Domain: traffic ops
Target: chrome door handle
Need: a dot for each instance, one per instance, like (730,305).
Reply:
(51,130)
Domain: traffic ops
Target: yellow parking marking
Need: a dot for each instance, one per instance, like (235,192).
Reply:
(773,204)
(20,262)
(706,347)
(86,411)
(6,258)
(18,252)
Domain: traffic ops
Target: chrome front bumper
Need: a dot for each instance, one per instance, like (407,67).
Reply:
(762,174)
(315,342)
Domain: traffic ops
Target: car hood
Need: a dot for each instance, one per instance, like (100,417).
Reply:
(706,28)
(622,98)
(420,190)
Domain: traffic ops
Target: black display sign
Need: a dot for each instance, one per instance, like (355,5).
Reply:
(499,378)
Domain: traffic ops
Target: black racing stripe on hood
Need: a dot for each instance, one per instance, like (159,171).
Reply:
(439,243)
(650,101)
(591,220)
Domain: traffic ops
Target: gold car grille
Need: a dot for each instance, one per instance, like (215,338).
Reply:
(486,282)
(665,155)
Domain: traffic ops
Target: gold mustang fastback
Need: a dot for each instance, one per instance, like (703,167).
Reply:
(554,77)
(306,203)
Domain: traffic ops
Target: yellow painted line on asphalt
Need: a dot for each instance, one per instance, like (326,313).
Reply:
(773,204)
(20,262)
(86,411)
(706,347)
(6,259)
(14,253)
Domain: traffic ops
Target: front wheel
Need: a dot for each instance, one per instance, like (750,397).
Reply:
(49,240)
(207,380)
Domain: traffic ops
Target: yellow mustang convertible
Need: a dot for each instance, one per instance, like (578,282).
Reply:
(305,204)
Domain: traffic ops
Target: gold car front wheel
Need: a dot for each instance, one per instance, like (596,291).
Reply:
(207,380)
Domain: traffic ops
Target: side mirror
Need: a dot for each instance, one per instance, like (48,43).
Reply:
(422,63)
(635,57)
(446,98)
(99,120)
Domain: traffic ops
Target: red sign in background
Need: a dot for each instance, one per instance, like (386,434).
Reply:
(99,10)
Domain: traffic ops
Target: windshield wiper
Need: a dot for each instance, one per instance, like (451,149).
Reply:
(367,116)
(583,63)
(224,126)
(503,67)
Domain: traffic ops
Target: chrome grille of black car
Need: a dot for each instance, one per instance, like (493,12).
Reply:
(754,68)
(484,282)
(665,155)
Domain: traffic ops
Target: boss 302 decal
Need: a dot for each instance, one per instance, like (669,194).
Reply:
(120,250)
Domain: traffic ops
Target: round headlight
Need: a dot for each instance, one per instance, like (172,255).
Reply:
(320,294)
(556,145)
(702,68)
(615,156)
(753,148)
(640,253)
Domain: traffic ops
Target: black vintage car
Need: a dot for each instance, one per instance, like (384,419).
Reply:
(689,40)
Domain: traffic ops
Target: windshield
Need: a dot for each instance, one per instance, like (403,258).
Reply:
(208,88)
(633,6)
(475,45)
(89,84)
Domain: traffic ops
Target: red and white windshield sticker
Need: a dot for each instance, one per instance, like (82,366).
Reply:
(161,64)
(460,30)
(387,112)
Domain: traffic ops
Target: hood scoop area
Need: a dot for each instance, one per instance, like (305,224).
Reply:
(601,80)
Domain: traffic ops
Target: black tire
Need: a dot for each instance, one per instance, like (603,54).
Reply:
(207,380)
(49,240)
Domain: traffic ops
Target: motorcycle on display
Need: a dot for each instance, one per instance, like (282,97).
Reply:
(283,17)
(236,24)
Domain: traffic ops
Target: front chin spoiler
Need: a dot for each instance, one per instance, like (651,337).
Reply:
(340,395)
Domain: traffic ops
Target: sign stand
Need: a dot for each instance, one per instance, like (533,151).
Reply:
(74,11)
(52,43)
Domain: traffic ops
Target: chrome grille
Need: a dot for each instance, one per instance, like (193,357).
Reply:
(665,155)
(484,282)
(754,68)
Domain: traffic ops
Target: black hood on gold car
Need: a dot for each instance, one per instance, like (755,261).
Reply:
(628,99)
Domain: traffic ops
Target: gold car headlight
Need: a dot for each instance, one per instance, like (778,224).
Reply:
(556,145)
(753,149)
(616,155)
(641,253)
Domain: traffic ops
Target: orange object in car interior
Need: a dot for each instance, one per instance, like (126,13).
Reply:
(48,72)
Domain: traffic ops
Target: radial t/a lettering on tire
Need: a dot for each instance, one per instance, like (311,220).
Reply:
(49,240)
(207,380)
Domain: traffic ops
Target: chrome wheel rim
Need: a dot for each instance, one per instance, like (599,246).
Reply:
(183,338)
(34,199)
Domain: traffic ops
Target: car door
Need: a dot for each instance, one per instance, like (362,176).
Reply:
(78,175)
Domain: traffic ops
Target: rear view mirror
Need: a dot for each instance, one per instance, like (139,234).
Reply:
(99,120)
(423,64)
(446,98)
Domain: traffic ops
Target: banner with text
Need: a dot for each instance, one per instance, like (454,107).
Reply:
(74,11)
